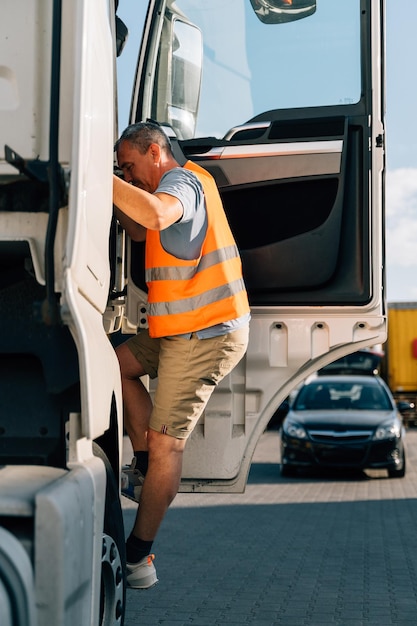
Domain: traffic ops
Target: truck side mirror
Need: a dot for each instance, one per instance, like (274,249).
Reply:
(282,11)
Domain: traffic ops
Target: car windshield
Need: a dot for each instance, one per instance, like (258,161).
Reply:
(342,395)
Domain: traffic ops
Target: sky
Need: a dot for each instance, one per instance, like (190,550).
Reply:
(401,143)
(401,150)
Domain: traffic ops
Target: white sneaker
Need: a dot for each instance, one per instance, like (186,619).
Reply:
(131,480)
(141,575)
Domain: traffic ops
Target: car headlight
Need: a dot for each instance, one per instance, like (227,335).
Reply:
(293,429)
(388,430)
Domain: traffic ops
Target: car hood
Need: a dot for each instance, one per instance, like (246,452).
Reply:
(360,420)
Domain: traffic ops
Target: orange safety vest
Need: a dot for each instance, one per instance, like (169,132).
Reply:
(189,295)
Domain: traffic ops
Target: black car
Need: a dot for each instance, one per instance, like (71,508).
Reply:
(343,422)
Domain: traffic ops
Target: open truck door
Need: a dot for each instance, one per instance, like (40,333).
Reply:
(282,101)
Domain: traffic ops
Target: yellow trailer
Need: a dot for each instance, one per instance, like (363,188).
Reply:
(399,367)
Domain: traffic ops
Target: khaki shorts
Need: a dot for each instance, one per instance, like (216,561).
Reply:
(188,371)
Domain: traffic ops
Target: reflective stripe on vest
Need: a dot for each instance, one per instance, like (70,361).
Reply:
(185,273)
(187,304)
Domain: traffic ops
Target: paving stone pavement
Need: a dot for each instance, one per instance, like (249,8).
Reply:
(316,550)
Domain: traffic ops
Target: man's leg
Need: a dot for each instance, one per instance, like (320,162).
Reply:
(159,489)
(188,372)
(136,399)
(137,408)
(161,483)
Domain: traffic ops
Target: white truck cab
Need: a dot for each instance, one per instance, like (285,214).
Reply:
(283,103)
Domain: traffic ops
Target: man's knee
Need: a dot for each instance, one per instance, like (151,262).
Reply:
(165,461)
(160,444)
(130,367)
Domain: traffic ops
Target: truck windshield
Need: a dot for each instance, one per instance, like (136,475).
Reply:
(242,66)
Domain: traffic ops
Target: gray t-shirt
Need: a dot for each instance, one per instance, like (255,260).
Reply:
(185,238)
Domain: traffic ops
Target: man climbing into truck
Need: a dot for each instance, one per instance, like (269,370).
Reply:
(198,315)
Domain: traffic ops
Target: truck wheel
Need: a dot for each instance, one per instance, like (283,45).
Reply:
(113,558)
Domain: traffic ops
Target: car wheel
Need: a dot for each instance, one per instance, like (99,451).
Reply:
(398,473)
(288,471)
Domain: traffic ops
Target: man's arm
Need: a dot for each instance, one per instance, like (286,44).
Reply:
(154,211)
(136,231)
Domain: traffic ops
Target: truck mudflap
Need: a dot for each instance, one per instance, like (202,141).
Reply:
(55,520)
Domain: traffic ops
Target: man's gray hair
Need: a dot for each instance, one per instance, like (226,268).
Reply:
(142,134)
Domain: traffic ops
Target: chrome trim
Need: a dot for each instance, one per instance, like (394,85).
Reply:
(340,434)
(239,129)
(273,149)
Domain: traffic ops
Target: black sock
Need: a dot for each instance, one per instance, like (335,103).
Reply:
(137,549)
(142,461)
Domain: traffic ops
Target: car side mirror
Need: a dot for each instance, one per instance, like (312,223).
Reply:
(404,406)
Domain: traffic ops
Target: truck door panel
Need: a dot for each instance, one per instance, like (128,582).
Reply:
(294,139)
(295,200)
